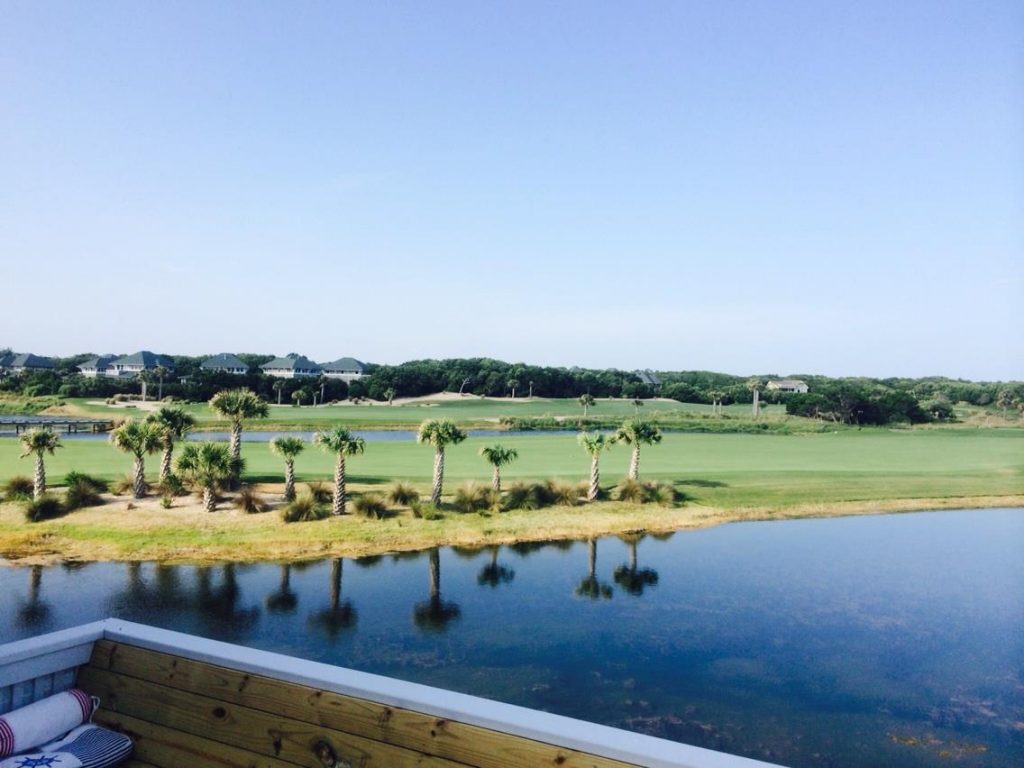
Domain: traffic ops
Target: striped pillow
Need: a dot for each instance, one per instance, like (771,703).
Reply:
(28,727)
(87,746)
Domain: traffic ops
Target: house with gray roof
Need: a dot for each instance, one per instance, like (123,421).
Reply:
(97,366)
(225,362)
(788,385)
(130,366)
(291,367)
(26,363)
(650,378)
(346,368)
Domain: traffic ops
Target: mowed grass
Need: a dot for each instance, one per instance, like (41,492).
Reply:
(727,471)
(467,411)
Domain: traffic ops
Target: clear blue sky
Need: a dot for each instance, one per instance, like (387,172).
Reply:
(773,187)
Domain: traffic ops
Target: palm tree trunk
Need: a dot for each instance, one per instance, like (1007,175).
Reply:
(339,486)
(496,479)
(165,462)
(139,484)
(209,498)
(584,411)
(757,403)
(236,451)
(634,463)
(435,491)
(595,480)
(289,480)
(39,482)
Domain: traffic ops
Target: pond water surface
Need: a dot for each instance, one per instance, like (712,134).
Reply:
(894,640)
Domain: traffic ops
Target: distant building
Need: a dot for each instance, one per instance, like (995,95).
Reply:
(130,366)
(224,363)
(97,366)
(788,385)
(25,363)
(346,369)
(291,367)
(650,378)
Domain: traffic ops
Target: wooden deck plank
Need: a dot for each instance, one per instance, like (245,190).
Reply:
(162,747)
(261,732)
(421,732)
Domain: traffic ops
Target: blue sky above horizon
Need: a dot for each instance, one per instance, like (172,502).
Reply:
(742,186)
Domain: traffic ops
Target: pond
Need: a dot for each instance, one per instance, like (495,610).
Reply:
(864,641)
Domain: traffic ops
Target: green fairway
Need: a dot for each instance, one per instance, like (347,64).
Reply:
(726,471)
(468,411)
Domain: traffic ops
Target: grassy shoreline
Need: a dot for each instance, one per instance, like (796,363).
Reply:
(189,535)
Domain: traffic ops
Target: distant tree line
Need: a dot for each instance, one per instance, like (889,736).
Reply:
(844,400)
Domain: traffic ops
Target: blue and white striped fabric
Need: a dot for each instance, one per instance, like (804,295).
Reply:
(88,746)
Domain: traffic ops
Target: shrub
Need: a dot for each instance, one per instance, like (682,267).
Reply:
(125,484)
(635,492)
(18,489)
(321,493)
(632,491)
(46,507)
(304,509)
(370,505)
(426,511)
(73,478)
(250,502)
(402,494)
(472,498)
(563,494)
(172,485)
(664,494)
(521,496)
(81,493)
(167,501)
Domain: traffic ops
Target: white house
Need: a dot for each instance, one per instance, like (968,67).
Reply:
(97,366)
(130,366)
(788,385)
(291,367)
(225,362)
(25,363)
(347,369)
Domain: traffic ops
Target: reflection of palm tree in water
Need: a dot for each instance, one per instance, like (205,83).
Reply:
(283,600)
(218,606)
(338,616)
(590,586)
(435,614)
(34,611)
(494,573)
(630,577)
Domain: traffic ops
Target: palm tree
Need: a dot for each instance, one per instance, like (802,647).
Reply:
(288,448)
(586,400)
(439,433)
(207,465)
(341,443)
(297,396)
(138,438)
(174,423)
(512,384)
(637,432)
(591,586)
(594,445)
(637,405)
(160,372)
(497,457)
(238,405)
(39,441)
(754,385)
(1004,399)
(716,396)
(389,394)
(278,387)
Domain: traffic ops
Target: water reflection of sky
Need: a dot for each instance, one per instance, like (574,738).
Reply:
(891,640)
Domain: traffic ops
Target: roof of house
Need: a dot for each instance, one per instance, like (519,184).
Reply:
(345,365)
(649,377)
(5,360)
(788,382)
(100,363)
(29,361)
(223,361)
(146,359)
(291,363)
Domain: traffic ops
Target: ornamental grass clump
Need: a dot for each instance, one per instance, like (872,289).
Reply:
(81,493)
(305,509)
(425,511)
(636,492)
(320,492)
(402,494)
(45,507)
(126,484)
(472,498)
(18,488)
(250,502)
(370,505)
